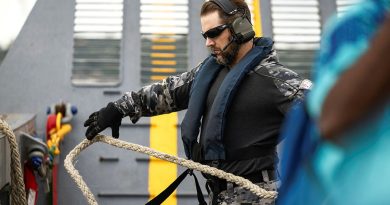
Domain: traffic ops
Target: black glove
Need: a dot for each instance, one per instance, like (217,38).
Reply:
(105,117)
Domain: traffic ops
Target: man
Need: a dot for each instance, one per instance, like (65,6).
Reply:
(236,98)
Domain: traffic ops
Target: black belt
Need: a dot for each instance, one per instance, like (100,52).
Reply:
(258,177)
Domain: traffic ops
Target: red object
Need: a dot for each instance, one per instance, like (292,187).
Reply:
(54,192)
(31,185)
(50,124)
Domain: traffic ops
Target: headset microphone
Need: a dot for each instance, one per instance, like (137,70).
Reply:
(225,47)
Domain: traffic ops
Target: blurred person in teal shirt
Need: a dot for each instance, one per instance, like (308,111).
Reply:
(340,153)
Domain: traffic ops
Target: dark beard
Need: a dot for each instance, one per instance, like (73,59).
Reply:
(229,55)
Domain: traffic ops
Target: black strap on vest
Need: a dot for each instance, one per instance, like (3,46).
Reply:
(172,187)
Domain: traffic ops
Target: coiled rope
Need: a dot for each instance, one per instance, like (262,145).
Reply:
(75,175)
(18,194)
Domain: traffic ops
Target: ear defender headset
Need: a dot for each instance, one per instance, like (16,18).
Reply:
(241,27)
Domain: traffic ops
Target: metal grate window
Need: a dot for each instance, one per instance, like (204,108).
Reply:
(343,5)
(296,30)
(97,40)
(164,38)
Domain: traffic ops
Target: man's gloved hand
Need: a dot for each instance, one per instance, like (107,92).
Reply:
(106,117)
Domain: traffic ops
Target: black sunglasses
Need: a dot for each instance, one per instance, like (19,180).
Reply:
(214,32)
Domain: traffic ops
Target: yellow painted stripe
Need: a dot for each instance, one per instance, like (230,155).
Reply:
(158,77)
(163,47)
(257,16)
(165,34)
(163,70)
(162,55)
(163,137)
(163,40)
(162,62)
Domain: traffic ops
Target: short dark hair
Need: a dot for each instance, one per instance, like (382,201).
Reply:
(209,7)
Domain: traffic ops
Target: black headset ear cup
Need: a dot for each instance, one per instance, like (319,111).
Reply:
(242,29)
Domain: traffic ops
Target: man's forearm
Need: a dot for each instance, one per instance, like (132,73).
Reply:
(168,95)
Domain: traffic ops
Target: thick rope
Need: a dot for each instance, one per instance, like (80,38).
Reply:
(18,194)
(167,157)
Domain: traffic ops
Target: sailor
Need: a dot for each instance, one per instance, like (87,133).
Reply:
(235,100)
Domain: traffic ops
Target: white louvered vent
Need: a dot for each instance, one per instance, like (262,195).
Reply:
(296,30)
(164,32)
(97,42)
(343,5)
